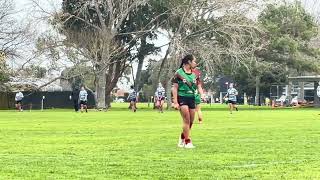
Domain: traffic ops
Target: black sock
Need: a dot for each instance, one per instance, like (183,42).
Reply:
(182,136)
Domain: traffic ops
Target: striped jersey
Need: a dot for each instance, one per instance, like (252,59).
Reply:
(160,92)
(83,95)
(132,94)
(232,94)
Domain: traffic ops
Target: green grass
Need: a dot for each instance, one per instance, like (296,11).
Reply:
(118,144)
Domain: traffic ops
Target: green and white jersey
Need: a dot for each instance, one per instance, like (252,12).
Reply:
(187,82)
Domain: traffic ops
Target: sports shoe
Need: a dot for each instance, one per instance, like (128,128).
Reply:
(181,143)
(189,146)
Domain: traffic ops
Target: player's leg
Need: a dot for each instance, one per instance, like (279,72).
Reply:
(191,111)
(184,111)
(135,105)
(19,106)
(188,142)
(230,107)
(131,105)
(161,105)
(235,106)
(81,105)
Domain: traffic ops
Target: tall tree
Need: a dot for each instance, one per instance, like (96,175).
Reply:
(104,31)
(13,36)
(289,30)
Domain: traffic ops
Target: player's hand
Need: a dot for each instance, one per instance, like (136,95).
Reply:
(203,97)
(176,106)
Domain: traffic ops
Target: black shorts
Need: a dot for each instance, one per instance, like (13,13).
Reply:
(19,102)
(83,103)
(161,99)
(232,102)
(133,99)
(187,101)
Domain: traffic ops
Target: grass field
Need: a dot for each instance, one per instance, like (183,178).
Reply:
(249,144)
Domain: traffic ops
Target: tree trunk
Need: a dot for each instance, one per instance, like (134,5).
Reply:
(163,63)
(108,100)
(100,83)
(169,97)
(257,98)
(289,97)
(114,73)
(141,57)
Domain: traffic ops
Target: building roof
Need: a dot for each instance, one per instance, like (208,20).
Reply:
(305,78)
(26,84)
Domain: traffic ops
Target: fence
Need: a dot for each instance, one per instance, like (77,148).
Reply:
(34,100)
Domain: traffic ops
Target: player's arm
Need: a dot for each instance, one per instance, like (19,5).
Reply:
(199,86)
(236,93)
(175,95)
(226,95)
(137,97)
(200,89)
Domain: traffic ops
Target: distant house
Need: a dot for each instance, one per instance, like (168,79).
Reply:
(29,84)
(120,93)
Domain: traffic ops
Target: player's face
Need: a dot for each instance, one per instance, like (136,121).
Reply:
(193,63)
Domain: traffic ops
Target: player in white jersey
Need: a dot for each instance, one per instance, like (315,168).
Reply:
(160,97)
(232,98)
(132,98)
(83,98)
(18,99)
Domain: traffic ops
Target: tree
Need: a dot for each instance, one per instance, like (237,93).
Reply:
(215,39)
(290,30)
(98,31)
(13,36)
(105,33)
(4,75)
